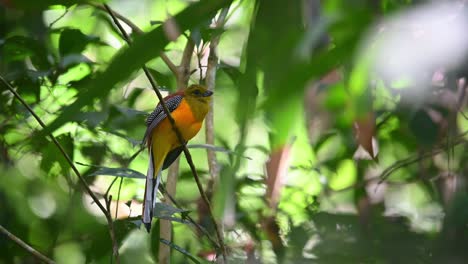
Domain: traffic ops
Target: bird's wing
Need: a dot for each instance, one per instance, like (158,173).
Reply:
(152,182)
(158,115)
(171,157)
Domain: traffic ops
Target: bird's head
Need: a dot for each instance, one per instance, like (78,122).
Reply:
(199,93)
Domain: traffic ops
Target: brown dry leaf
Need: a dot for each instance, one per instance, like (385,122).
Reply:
(277,169)
(364,129)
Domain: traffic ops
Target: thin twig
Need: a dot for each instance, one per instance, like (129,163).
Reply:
(136,29)
(72,165)
(110,185)
(115,247)
(118,198)
(59,17)
(410,160)
(27,247)
(183,76)
(200,72)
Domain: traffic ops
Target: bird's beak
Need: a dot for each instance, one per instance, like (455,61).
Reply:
(207,93)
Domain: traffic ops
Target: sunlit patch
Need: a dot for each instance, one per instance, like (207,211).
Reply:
(75,73)
(413,201)
(69,253)
(408,48)
(43,205)
(346,175)
(91,206)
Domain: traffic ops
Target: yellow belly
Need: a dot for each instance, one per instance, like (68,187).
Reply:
(187,124)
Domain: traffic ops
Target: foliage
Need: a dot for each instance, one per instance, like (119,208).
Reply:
(321,156)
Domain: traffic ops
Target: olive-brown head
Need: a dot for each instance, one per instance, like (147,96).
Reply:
(198,91)
(199,98)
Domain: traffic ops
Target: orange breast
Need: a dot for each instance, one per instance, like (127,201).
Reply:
(185,121)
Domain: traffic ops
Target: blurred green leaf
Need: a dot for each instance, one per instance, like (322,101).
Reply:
(52,156)
(73,59)
(117,172)
(164,80)
(224,195)
(346,175)
(18,48)
(215,148)
(95,152)
(165,211)
(73,41)
(231,71)
(44,4)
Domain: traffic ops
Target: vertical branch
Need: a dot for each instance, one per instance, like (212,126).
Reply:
(27,247)
(209,119)
(210,84)
(183,71)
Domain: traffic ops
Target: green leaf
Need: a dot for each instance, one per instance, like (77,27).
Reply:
(29,83)
(53,162)
(224,195)
(216,148)
(144,48)
(92,119)
(165,211)
(124,119)
(117,172)
(346,175)
(70,60)
(231,71)
(95,152)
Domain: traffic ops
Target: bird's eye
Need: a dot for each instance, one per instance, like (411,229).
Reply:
(197,92)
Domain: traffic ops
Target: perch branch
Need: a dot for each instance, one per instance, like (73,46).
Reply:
(210,83)
(209,120)
(165,226)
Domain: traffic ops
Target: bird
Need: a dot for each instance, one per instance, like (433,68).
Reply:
(188,108)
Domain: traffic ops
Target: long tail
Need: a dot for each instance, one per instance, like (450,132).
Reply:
(151,188)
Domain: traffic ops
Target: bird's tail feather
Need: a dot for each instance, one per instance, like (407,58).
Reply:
(151,188)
